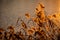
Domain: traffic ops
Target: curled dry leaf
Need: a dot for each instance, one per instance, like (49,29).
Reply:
(24,25)
(27,15)
(33,28)
(30,32)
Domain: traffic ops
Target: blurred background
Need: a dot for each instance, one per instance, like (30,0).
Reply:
(10,10)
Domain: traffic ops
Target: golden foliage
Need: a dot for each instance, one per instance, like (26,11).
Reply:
(24,25)
(27,15)
(46,27)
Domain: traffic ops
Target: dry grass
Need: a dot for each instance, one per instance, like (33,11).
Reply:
(48,27)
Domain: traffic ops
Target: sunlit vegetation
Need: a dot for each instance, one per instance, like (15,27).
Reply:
(45,28)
